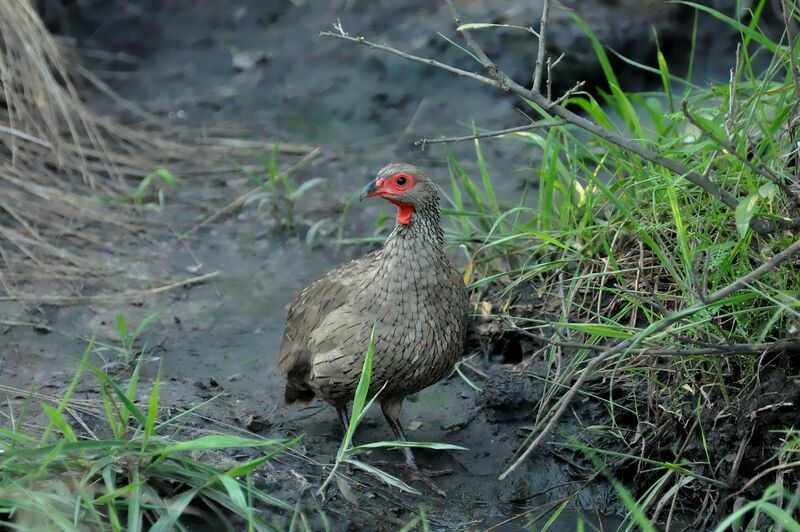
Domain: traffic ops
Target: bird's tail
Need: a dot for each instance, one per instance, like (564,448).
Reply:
(295,392)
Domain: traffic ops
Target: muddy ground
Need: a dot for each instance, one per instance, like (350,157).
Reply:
(362,110)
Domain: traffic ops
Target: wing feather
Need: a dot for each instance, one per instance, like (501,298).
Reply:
(306,314)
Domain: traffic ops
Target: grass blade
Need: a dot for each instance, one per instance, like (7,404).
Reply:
(152,410)
(58,420)
(382,476)
(361,394)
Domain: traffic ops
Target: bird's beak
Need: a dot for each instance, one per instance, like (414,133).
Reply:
(370,190)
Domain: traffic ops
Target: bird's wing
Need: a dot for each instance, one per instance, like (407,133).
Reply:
(311,307)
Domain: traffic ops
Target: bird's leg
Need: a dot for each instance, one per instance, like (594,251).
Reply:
(344,418)
(413,472)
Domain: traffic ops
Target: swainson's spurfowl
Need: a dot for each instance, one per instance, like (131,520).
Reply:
(409,289)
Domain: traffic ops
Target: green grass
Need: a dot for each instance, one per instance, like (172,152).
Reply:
(278,192)
(127,339)
(612,244)
(347,453)
(132,467)
(150,194)
(138,465)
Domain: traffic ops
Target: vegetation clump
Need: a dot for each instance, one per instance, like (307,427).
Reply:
(656,275)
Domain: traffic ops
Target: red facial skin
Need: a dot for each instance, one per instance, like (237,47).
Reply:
(391,188)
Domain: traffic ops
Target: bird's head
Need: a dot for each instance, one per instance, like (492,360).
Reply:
(407,187)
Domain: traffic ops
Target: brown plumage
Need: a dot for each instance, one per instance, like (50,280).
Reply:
(409,289)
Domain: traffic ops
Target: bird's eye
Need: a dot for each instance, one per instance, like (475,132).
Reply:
(401,181)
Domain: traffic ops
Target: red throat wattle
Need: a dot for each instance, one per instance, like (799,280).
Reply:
(404,212)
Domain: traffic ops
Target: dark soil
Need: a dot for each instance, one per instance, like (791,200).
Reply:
(363,110)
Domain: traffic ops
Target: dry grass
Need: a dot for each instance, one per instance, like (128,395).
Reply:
(57,157)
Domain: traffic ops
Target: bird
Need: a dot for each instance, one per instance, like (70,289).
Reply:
(409,290)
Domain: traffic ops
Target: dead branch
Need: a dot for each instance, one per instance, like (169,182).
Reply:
(550,66)
(732,92)
(118,296)
(564,97)
(544,124)
(537,71)
(501,80)
(341,34)
(783,345)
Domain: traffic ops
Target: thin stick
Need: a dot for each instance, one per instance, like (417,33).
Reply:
(558,410)
(25,136)
(564,97)
(732,99)
(69,300)
(341,34)
(550,66)
(241,200)
(786,344)
(11,323)
(502,81)
(537,71)
(535,125)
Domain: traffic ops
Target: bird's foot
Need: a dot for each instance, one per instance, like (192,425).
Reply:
(416,474)
(433,473)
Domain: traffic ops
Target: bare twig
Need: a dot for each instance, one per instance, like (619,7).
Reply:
(133,294)
(535,125)
(786,344)
(39,326)
(559,408)
(499,76)
(24,136)
(501,80)
(732,98)
(550,66)
(241,200)
(341,34)
(564,97)
(537,71)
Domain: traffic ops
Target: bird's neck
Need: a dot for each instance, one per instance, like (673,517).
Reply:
(423,231)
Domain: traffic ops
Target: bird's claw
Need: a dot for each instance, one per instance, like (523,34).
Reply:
(415,474)
(433,473)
